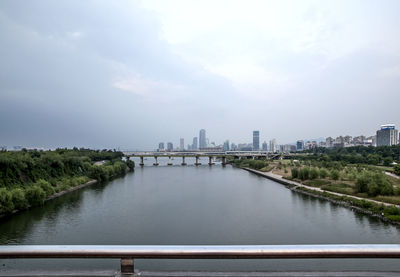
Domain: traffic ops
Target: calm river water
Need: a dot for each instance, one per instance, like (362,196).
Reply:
(194,205)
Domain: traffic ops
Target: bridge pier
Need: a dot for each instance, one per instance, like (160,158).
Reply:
(141,161)
(183,160)
(223,160)
(169,161)
(210,161)
(155,163)
(197,160)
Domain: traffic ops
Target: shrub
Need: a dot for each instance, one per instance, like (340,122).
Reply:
(362,183)
(335,174)
(397,169)
(35,195)
(323,173)
(295,172)
(373,189)
(19,200)
(6,203)
(46,187)
(314,173)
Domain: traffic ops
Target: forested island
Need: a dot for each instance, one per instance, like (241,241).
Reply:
(358,174)
(29,177)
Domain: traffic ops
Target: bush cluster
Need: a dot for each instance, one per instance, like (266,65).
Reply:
(28,178)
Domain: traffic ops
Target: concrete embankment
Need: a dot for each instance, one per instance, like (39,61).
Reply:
(328,196)
(58,194)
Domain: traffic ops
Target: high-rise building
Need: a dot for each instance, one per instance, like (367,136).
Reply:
(256,140)
(387,135)
(300,145)
(161,146)
(194,145)
(226,146)
(272,145)
(202,139)
(329,142)
(265,146)
(170,146)
(181,144)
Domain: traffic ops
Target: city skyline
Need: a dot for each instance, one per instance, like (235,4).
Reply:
(391,138)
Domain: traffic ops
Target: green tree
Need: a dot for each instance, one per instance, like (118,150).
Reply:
(387,161)
(397,169)
(6,203)
(314,173)
(18,199)
(362,183)
(335,174)
(46,187)
(295,172)
(323,173)
(35,195)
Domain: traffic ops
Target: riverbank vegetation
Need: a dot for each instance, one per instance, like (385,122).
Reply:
(29,177)
(365,181)
(380,155)
(361,180)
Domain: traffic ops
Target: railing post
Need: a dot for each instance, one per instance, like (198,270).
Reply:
(127,266)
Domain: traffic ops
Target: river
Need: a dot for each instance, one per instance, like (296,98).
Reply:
(195,205)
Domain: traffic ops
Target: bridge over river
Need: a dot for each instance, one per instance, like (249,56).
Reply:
(198,154)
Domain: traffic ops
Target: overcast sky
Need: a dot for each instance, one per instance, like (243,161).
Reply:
(130,74)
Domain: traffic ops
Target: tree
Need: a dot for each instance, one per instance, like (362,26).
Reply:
(35,195)
(314,173)
(295,172)
(18,199)
(362,183)
(387,161)
(335,174)
(397,169)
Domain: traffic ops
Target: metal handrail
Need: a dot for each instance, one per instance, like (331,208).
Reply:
(202,251)
(129,252)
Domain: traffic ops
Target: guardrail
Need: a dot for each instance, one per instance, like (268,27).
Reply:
(129,252)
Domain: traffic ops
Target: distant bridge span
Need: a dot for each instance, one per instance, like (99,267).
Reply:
(199,154)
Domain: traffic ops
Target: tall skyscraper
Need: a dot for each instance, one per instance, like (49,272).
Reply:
(272,145)
(161,146)
(194,144)
(182,144)
(256,140)
(202,139)
(265,146)
(387,135)
(226,146)
(170,146)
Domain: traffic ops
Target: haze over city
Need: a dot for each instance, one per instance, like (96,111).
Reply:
(130,74)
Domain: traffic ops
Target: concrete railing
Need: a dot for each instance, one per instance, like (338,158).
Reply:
(129,252)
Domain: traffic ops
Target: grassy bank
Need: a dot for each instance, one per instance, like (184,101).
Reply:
(28,178)
(368,183)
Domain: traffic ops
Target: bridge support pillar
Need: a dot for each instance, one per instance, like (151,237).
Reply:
(197,160)
(127,266)
(183,160)
(141,161)
(223,160)
(210,161)
(169,161)
(156,162)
